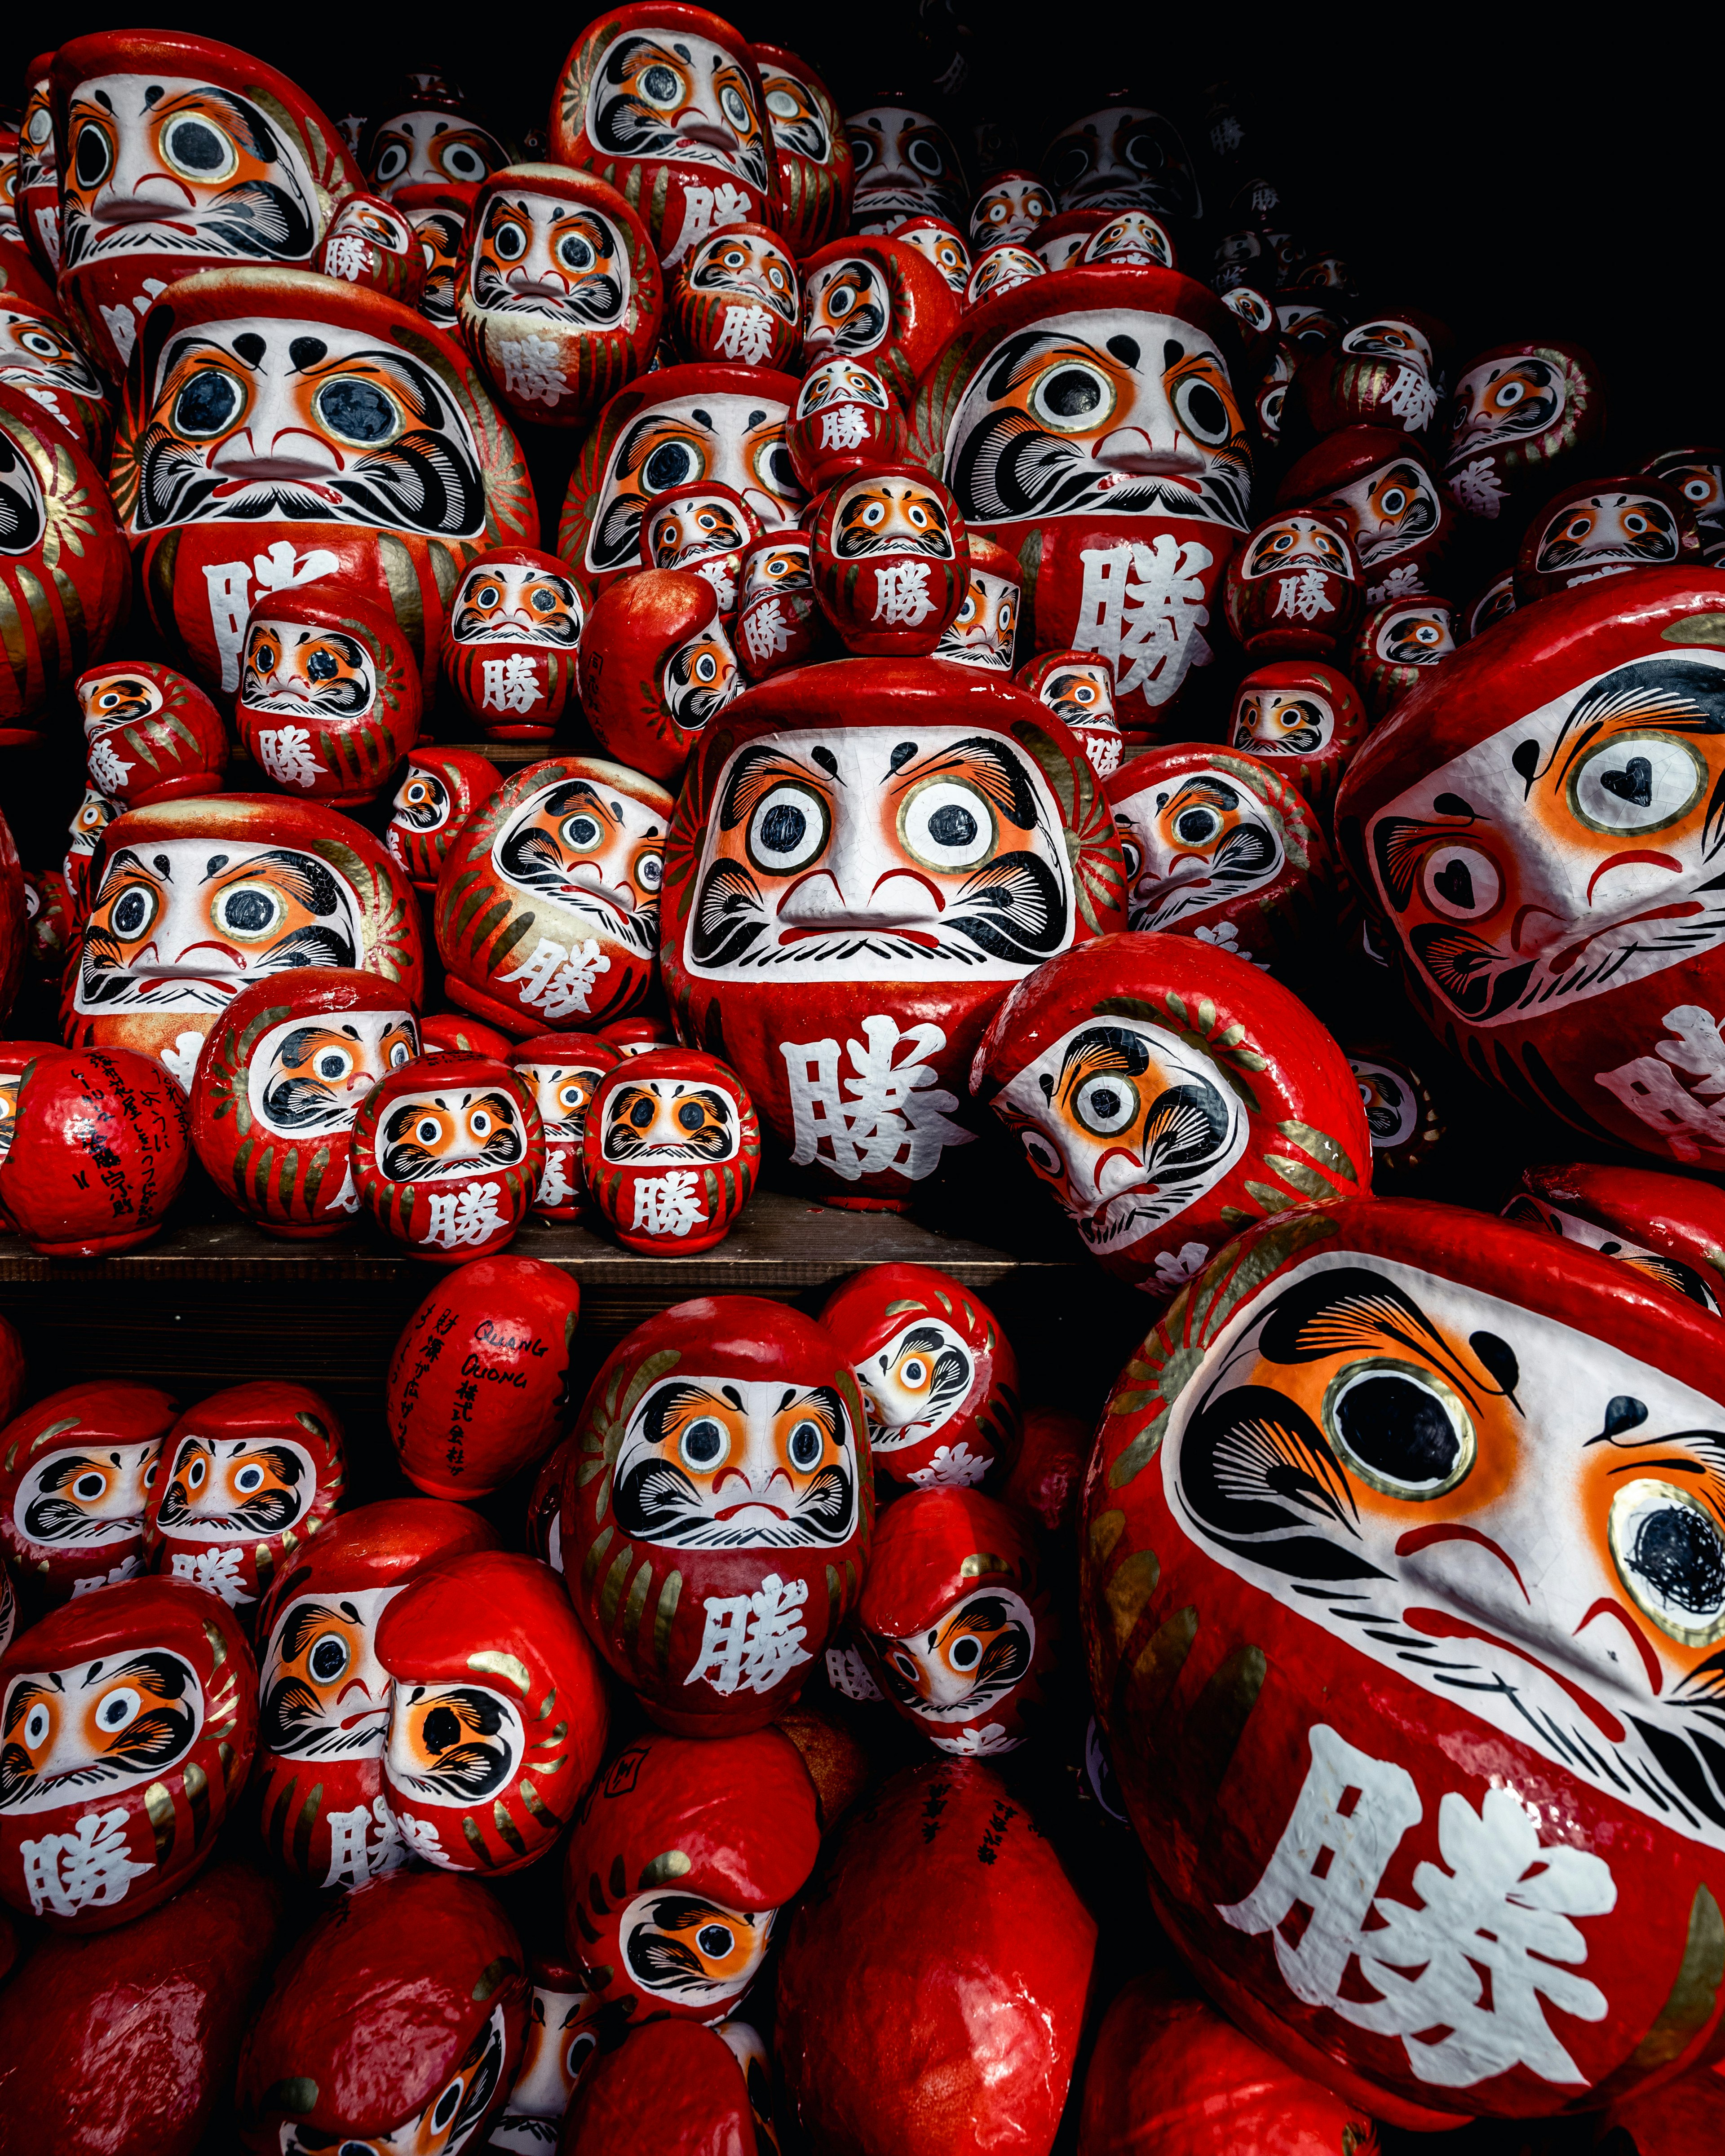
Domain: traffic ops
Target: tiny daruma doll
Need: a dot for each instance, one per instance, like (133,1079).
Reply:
(448,1152)
(562,1071)
(439,790)
(330,698)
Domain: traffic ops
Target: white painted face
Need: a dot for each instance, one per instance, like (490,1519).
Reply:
(1081,694)
(915,1385)
(1283,722)
(662,93)
(847,310)
(592,848)
(906,165)
(748,264)
(692,1950)
(853,853)
(561,2039)
(561,1093)
(384,228)
(734,441)
(323,1694)
(445,2125)
(456,1131)
(987,624)
(1124,156)
(1010,210)
(87,1497)
(422,803)
(310,1077)
(298,669)
(1390,338)
(967,1661)
(1126,1124)
(1386,510)
(168,164)
(1193,843)
(546,255)
(517,602)
(1547,1510)
(1133,239)
(1417,635)
(841,381)
(433,149)
(999,270)
(1392,1108)
(236,1489)
(1112,412)
(670,1122)
(38,357)
(1605,534)
(1296,543)
(184,924)
(79,1736)
(454,1745)
(115,699)
(1502,402)
(1529,1211)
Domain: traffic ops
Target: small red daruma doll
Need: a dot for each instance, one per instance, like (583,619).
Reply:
(323,1697)
(891,561)
(439,790)
(548,908)
(278,1085)
(497,1711)
(816,172)
(1668,1227)
(656,665)
(736,297)
(680,1861)
(372,243)
(1376,484)
(1395,646)
(77,1472)
(448,1153)
(479,1381)
(149,734)
(1294,588)
(247,1476)
(71,1103)
(939,1380)
(703,528)
(722,1472)
(984,631)
(1604,528)
(89,819)
(846,420)
(940,242)
(511,645)
(955,1628)
(1519,418)
(1306,721)
(998,269)
(562,1071)
(670,1150)
(130,1718)
(330,698)
(1011,205)
(1078,687)
(779,622)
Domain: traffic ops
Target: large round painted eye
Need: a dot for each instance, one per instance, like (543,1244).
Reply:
(356,410)
(715,1941)
(90,1485)
(660,85)
(249,1478)
(481,1124)
(788,830)
(488,595)
(196,1472)
(1106,1104)
(37,1724)
(735,107)
(1132,852)
(209,403)
(582,832)
(1042,1156)
(38,341)
(1636,782)
(1461,882)
(400,1052)
(249,911)
(133,911)
(672,463)
(806,1444)
(265,656)
(197,149)
(703,1443)
(333,1064)
(328,1659)
(1200,409)
(966,1652)
(392,164)
(1399,1427)
(543,600)
(947,824)
(509,241)
(913,1373)
(925,156)
(576,252)
(427,1131)
(119,1709)
(1508,394)
(1072,396)
(1198,827)
(840,299)
(92,155)
(1670,1554)
(462,161)
(448,2104)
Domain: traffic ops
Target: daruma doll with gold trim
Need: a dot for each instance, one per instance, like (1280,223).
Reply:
(510,648)
(865,857)
(1404,1581)
(717,1509)
(439,790)
(150,734)
(278,1085)
(77,1472)
(670,1150)
(190,901)
(372,243)
(448,1152)
(880,302)
(816,172)
(562,1072)
(278,427)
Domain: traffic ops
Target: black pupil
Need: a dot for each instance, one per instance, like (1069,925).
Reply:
(356,411)
(329,1658)
(206,402)
(805,1443)
(713,1939)
(446,2104)
(131,913)
(331,1065)
(321,666)
(198,147)
(1399,1430)
(966,1653)
(691,1115)
(952,826)
(1072,393)
(660,84)
(1679,1555)
(641,1114)
(92,160)
(113,1713)
(443,1728)
(1103,1104)
(576,253)
(701,1440)
(1195,825)
(669,465)
(782,829)
(88,1485)
(253,910)
(583,831)
(1206,410)
(543,602)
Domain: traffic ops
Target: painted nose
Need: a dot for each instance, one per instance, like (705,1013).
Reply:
(1134,450)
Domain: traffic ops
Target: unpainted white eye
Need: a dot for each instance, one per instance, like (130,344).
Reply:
(703,1443)
(1460,882)
(249,1478)
(1072,398)
(1670,1554)
(1107,1104)
(948,825)
(119,1709)
(807,1442)
(37,1724)
(1638,782)
(788,831)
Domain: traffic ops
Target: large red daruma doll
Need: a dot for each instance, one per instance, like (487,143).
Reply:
(1404,1579)
(279,426)
(1534,828)
(865,857)
(1041,416)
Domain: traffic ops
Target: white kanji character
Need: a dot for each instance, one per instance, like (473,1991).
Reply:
(530,371)
(1302,598)
(129,1568)
(895,1114)
(421,1837)
(559,982)
(766,633)
(669,1205)
(848,1673)
(1412,398)
(1502,1906)
(90,1869)
(1477,488)
(752,1641)
(108,769)
(355,1857)
(347,1198)
(279,568)
(901,599)
(1225,937)
(216,1571)
(1174,1269)
(747,335)
(1690,1119)
(555,1188)
(345,256)
(229,584)
(286,753)
(462,1216)
(1143,607)
(511,683)
(122,328)
(953,1467)
(705,210)
(975,1743)
(1401,581)
(845,427)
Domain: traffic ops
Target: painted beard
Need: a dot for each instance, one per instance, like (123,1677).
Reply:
(475,624)
(659,1960)
(1629,531)
(595,302)
(303,1105)
(691,701)
(23,518)
(1251,854)
(1191,1128)
(731,440)
(530,858)
(1271,1497)
(624,123)
(165,1722)
(48,1514)
(403,1158)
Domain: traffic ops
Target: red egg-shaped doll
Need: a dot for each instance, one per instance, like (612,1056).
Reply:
(547,907)
(48,912)
(1305,719)
(938,1377)
(1012,205)
(497,1711)
(816,174)
(37,195)
(702,528)
(1405,1121)
(1131,239)
(938,240)
(41,358)
(78,1472)
(562,1071)
(640,1035)
(846,973)
(1395,645)
(150,734)
(511,646)
(1294,588)
(1048,1476)
(372,243)
(323,1696)
(1386,371)
(1376,484)
(16,1057)
(656,665)
(479,1378)
(717,1515)
(1604,528)
(130,1717)
(683,1858)
(779,623)
(880,301)
(426,133)
(452,1032)
(891,560)
(670,1151)
(675,2085)
(110,1111)
(1519,417)
(736,297)
(1168,1094)
(440,788)
(448,1152)
(1699,475)
(1078,687)
(89,819)
(562,2039)
(1468,1565)
(330,698)
(984,631)
(1670,1228)
(1496,602)
(999,268)
(846,420)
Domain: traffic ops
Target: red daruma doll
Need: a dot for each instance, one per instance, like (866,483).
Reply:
(562,1071)
(329,695)
(78,1472)
(891,561)
(448,1152)
(510,649)
(670,1150)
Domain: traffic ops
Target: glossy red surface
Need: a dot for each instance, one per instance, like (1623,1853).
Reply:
(656,665)
(448,1152)
(814,187)
(670,1150)
(673,2087)
(58,1531)
(509,653)
(439,790)
(330,697)
(109,1110)
(150,734)
(1670,1228)
(891,560)
(1305,719)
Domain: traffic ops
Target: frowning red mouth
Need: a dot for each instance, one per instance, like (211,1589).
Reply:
(1439,1625)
